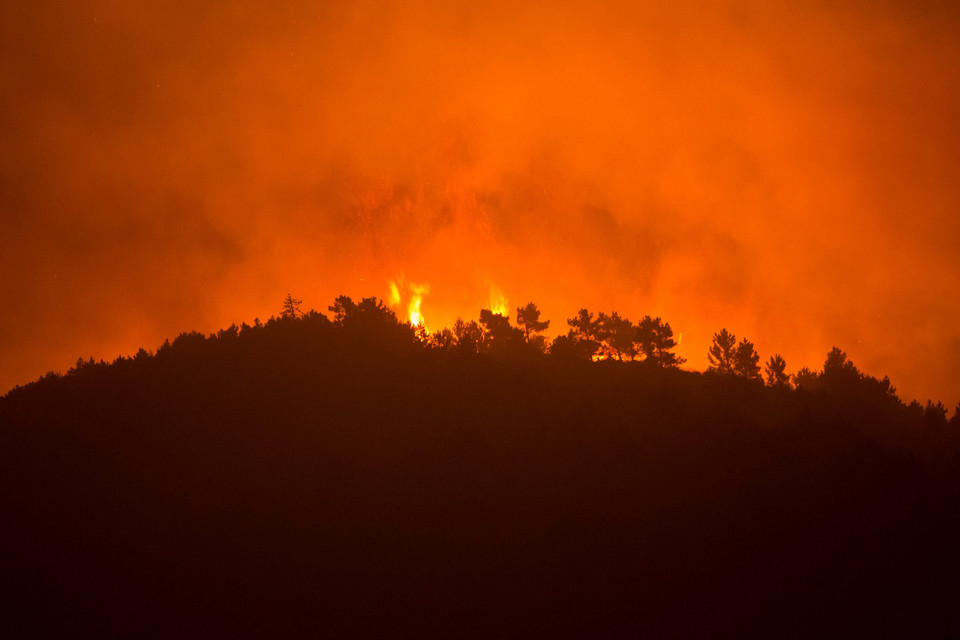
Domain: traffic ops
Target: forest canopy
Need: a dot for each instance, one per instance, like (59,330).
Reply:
(324,472)
(371,323)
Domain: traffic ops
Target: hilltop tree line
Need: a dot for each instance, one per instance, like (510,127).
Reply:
(346,472)
(590,337)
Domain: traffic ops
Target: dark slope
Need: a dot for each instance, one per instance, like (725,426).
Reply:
(308,477)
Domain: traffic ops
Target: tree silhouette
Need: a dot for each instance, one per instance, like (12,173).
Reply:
(497,332)
(570,348)
(747,361)
(583,325)
(654,338)
(935,414)
(838,366)
(583,334)
(346,311)
(372,324)
(528,319)
(468,336)
(839,375)
(617,335)
(806,378)
(722,353)
(291,307)
(443,339)
(776,371)
(343,307)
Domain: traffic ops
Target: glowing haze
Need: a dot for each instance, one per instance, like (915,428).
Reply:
(792,173)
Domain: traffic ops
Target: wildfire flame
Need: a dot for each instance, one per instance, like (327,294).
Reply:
(394,294)
(414,293)
(416,319)
(498,302)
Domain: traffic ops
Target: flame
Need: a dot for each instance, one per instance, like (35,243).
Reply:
(394,294)
(414,294)
(498,302)
(416,319)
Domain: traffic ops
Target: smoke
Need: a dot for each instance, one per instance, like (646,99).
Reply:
(787,172)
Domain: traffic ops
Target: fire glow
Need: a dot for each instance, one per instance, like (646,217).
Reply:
(409,296)
(498,302)
(785,172)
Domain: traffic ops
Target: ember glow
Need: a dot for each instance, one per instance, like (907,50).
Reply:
(791,173)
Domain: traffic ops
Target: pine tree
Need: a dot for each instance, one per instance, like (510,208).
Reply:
(776,371)
(654,338)
(291,307)
(528,319)
(722,353)
(747,361)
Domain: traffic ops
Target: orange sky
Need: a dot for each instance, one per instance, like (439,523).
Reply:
(792,174)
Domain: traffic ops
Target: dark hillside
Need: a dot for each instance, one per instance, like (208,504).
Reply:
(310,476)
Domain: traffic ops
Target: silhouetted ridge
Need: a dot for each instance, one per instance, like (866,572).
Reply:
(353,475)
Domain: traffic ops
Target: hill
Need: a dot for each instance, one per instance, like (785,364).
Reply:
(313,476)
